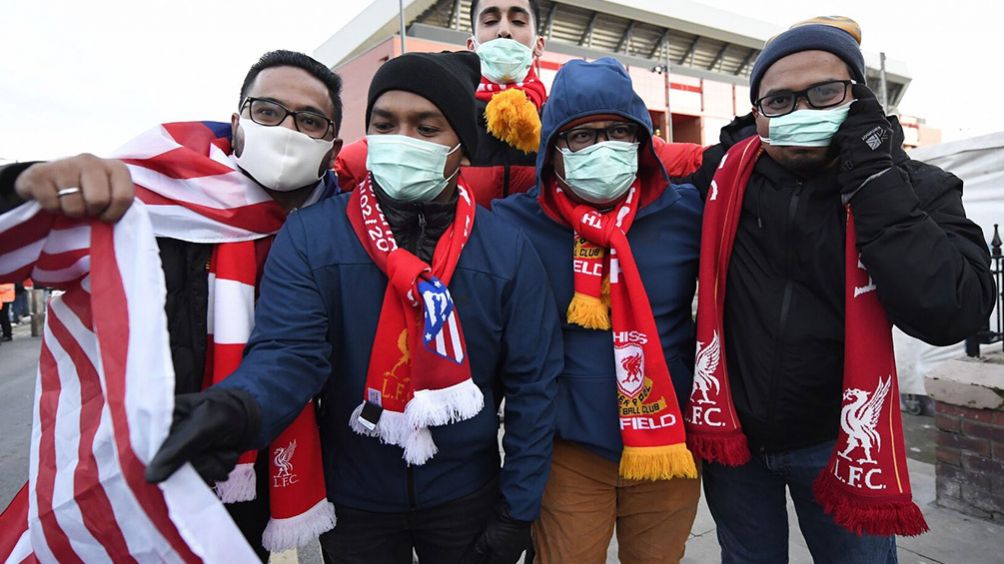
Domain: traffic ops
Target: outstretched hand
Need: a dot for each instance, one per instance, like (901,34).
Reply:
(211,429)
(81,186)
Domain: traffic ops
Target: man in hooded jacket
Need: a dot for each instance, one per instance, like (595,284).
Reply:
(620,244)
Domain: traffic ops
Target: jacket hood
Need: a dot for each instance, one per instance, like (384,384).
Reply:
(583,89)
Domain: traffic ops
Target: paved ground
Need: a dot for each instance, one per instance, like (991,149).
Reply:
(954,538)
(18,362)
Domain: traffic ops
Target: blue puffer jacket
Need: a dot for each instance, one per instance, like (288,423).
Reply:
(315,323)
(665,241)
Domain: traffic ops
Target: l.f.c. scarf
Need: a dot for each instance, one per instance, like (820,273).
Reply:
(298,505)
(865,486)
(513,110)
(608,286)
(419,373)
(185,173)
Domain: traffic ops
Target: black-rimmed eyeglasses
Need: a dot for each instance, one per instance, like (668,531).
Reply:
(582,137)
(819,96)
(271,113)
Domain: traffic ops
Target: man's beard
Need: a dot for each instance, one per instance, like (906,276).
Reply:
(807,163)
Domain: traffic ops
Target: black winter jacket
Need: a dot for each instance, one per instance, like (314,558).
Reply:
(784,300)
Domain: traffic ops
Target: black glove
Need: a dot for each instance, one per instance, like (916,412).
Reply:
(503,540)
(864,141)
(211,429)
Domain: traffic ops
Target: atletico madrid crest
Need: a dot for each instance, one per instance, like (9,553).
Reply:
(441,334)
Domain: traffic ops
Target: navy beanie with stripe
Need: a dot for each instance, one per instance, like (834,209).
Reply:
(815,37)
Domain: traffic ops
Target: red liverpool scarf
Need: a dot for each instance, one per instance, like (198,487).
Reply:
(609,285)
(419,374)
(513,110)
(298,502)
(866,486)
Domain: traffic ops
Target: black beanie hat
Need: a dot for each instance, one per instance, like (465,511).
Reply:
(834,35)
(446,79)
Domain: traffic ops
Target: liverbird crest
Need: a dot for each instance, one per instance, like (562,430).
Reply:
(859,419)
(705,365)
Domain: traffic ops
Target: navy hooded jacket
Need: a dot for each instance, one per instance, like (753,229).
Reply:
(315,322)
(665,241)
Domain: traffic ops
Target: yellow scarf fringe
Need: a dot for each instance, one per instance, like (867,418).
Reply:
(657,463)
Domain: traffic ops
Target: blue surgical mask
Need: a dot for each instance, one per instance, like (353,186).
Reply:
(601,173)
(806,128)
(408,169)
(504,61)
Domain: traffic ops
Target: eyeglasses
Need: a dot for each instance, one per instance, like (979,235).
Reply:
(582,137)
(819,96)
(269,113)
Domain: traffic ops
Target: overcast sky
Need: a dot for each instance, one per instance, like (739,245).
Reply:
(88,75)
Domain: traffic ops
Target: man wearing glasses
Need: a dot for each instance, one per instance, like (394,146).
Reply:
(620,244)
(283,138)
(823,153)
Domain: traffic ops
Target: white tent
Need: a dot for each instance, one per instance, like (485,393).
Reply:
(979,162)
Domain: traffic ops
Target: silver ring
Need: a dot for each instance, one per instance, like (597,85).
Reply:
(67,191)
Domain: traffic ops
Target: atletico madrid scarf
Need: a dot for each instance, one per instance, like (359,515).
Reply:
(865,486)
(608,287)
(513,110)
(298,502)
(419,373)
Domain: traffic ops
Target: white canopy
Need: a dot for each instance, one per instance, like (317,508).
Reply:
(979,162)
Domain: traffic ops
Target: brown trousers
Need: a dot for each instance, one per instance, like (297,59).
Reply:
(584,500)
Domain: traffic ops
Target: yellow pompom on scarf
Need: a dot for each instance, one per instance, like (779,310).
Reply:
(513,118)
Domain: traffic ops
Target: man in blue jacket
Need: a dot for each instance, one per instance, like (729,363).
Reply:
(620,244)
(402,310)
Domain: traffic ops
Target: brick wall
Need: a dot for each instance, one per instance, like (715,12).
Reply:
(970,465)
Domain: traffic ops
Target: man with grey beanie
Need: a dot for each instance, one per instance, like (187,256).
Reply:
(794,263)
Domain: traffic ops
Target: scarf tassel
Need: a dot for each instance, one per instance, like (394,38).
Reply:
(511,117)
(419,447)
(393,429)
(293,532)
(589,312)
(864,517)
(657,463)
(240,485)
(430,408)
(729,449)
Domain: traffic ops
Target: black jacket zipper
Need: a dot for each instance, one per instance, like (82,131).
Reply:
(785,303)
(412,504)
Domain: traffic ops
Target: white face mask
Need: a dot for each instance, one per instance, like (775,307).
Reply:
(503,60)
(281,159)
(806,128)
(408,169)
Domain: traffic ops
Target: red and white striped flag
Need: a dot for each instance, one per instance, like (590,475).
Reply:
(105,392)
(103,404)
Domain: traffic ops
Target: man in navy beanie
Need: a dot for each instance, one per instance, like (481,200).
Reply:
(817,152)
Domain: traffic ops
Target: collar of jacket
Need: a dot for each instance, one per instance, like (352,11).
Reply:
(417,226)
